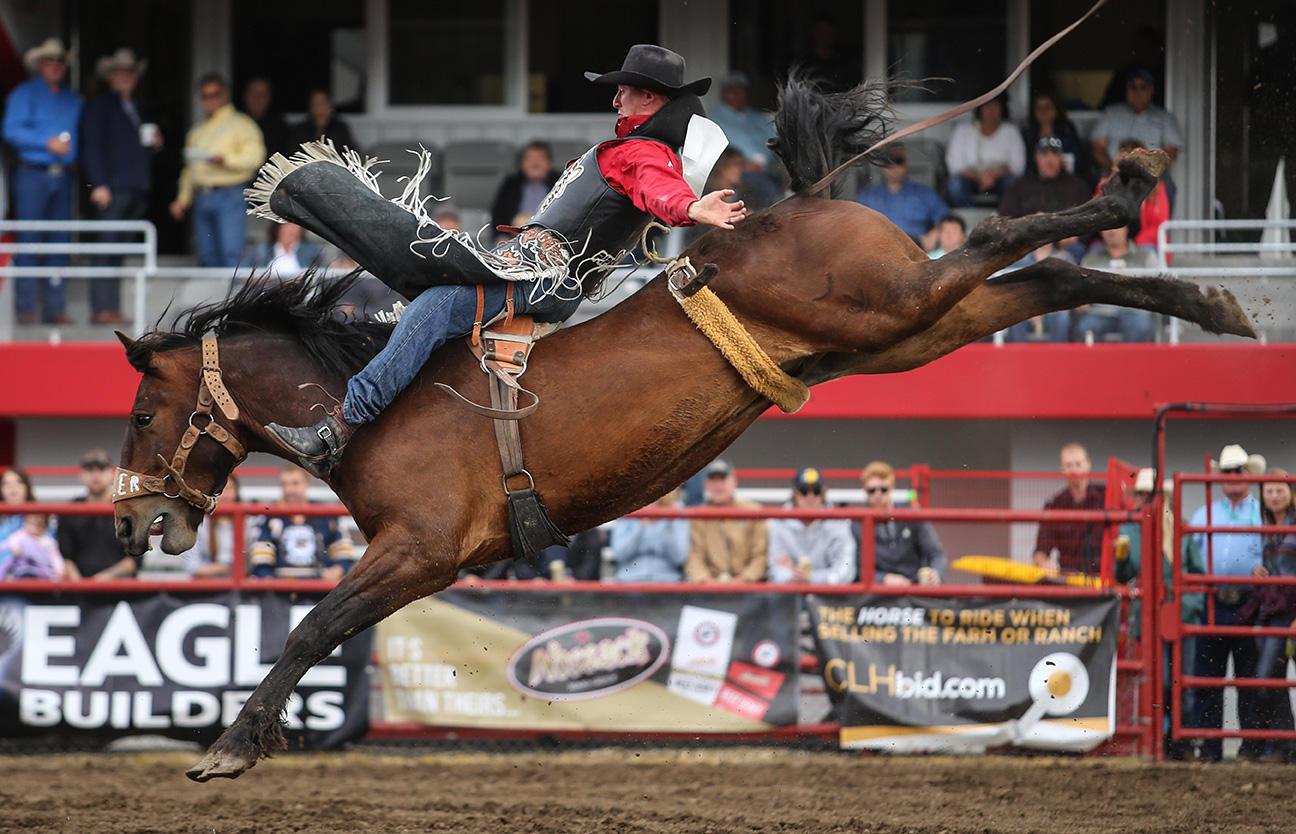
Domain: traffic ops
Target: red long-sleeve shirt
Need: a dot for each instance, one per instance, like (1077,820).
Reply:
(649,173)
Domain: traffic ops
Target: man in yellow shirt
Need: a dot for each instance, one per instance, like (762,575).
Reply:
(222,153)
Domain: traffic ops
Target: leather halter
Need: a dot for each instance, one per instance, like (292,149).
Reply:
(211,391)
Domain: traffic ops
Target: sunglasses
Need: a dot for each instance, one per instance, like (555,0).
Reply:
(896,160)
(1233,470)
(811,490)
(876,489)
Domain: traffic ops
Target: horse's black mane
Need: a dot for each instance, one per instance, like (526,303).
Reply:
(304,308)
(816,131)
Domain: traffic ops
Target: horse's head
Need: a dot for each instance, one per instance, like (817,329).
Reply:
(177,454)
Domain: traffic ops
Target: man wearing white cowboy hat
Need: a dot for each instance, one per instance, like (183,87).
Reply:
(40,124)
(594,214)
(117,157)
(1228,554)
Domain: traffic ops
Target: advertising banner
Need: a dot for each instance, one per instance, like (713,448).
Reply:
(610,661)
(908,674)
(166,664)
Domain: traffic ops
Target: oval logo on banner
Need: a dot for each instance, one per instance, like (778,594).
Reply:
(588,659)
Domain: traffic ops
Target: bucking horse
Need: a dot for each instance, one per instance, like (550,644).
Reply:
(634,401)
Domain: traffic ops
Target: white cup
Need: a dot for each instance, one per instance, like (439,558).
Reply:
(148,134)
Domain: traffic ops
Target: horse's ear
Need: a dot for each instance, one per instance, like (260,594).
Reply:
(138,362)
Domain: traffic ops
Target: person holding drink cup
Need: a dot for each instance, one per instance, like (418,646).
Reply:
(822,550)
(118,143)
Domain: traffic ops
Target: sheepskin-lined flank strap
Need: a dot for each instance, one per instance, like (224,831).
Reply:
(705,309)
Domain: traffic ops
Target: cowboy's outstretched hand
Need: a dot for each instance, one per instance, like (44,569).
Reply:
(714,211)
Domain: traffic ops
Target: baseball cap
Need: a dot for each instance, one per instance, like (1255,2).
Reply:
(96,459)
(1048,143)
(719,468)
(1140,75)
(737,78)
(808,479)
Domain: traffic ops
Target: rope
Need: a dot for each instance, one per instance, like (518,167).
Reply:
(717,323)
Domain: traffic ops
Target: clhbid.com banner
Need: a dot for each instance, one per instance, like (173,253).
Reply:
(164,664)
(921,675)
(610,661)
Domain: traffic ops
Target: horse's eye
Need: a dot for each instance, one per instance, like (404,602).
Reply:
(142,420)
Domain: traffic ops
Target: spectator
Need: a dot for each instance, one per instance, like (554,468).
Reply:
(822,550)
(904,552)
(582,559)
(31,552)
(1114,255)
(222,153)
(1048,119)
(1048,187)
(1156,206)
(520,193)
(1052,327)
(321,122)
(951,232)
(213,551)
(300,546)
(755,193)
(1228,554)
(40,124)
(1072,545)
(748,130)
(89,542)
(1128,544)
(985,156)
(1137,118)
(912,206)
(286,255)
(258,103)
(1272,606)
(1147,56)
(15,488)
(651,549)
(730,549)
(117,145)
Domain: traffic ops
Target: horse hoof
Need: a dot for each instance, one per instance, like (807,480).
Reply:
(215,765)
(1154,162)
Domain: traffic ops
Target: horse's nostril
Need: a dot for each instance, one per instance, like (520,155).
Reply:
(124,528)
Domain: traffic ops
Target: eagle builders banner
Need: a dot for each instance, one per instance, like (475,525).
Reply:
(908,674)
(592,660)
(178,665)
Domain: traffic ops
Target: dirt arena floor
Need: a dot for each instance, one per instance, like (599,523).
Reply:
(732,790)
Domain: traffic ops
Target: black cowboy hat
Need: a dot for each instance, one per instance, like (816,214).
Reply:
(653,68)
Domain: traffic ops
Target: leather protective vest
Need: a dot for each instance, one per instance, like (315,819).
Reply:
(599,223)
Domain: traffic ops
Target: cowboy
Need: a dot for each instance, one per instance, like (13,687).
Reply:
(117,152)
(40,124)
(592,217)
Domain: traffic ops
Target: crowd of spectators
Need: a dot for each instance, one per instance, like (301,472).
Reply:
(108,144)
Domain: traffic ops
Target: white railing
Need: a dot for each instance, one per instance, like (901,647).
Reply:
(146,248)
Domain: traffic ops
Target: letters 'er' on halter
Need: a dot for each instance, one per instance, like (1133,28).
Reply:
(211,391)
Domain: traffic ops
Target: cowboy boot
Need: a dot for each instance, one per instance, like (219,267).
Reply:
(319,447)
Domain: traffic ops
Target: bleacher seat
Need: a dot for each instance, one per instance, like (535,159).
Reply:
(472,171)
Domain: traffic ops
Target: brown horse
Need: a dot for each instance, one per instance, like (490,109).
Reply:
(634,401)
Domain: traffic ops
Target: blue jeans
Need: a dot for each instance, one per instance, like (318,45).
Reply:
(220,225)
(437,315)
(1057,327)
(1211,661)
(1132,325)
(37,195)
(1275,704)
(105,293)
(962,190)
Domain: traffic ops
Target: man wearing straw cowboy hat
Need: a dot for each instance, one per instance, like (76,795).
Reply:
(593,215)
(118,143)
(1228,554)
(40,124)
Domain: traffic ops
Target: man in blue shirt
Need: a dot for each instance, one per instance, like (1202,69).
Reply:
(117,155)
(1228,554)
(40,124)
(913,207)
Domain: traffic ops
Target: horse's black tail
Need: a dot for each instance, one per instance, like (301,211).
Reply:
(815,131)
